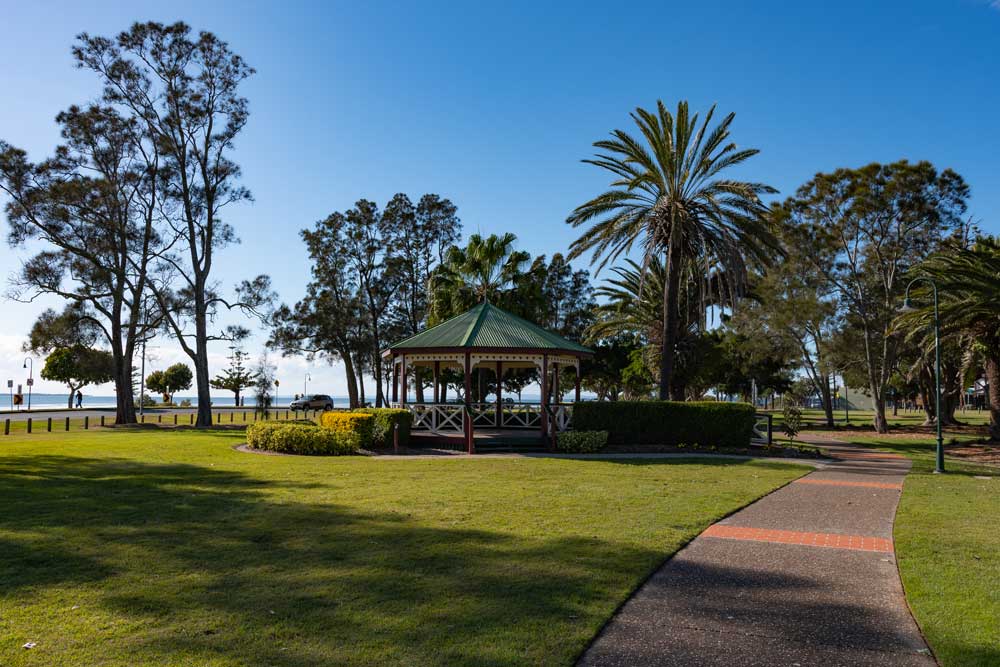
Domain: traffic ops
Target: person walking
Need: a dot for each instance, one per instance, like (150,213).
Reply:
(79,398)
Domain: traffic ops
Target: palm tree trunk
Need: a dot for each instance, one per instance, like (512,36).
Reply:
(993,382)
(670,297)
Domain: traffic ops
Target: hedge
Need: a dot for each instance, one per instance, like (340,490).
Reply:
(385,420)
(297,438)
(354,427)
(581,441)
(668,422)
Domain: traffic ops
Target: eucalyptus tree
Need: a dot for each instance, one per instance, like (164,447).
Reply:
(671,202)
(968,281)
(328,322)
(862,230)
(419,236)
(183,92)
(89,212)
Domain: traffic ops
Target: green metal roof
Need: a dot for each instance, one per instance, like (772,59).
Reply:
(489,326)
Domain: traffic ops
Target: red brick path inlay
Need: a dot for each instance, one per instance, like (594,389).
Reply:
(834,482)
(831,540)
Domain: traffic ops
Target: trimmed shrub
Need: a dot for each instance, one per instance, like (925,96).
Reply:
(292,438)
(668,422)
(354,427)
(582,442)
(385,420)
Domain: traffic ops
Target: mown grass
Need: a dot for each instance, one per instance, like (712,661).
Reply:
(948,550)
(167,547)
(41,424)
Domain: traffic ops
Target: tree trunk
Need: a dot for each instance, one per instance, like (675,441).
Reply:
(200,358)
(993,388)
(826,398)
(879,420)
(124,399)
(418,384)
(670,298)
(352,382)
(361,388)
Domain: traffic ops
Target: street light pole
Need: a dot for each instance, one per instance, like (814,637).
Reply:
(939,463)
(305,384)
(29,363)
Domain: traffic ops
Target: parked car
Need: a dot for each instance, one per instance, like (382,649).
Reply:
(312,402)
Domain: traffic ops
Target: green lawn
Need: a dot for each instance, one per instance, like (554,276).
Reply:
(948,549)
(167,547)
(863,418)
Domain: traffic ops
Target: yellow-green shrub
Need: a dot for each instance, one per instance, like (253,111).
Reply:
(298,438)
(355,427)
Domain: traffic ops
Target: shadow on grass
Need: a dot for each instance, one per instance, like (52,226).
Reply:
(218,565)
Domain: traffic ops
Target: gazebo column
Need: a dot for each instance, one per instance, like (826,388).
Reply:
(545,401)
(402,377)
(395,380)
(437,381)
(469,429)
(499,417)
(577,381)
(556,396)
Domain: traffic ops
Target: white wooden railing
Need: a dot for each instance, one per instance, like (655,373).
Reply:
(449,418)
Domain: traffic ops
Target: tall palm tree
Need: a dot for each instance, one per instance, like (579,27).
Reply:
(670,201)
(968,281)
(481,271)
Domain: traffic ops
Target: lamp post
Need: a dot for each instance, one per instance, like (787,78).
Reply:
(29,363)
(907,307)
(305,384)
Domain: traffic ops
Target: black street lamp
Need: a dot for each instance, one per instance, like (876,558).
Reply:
(29,363)
(907,307)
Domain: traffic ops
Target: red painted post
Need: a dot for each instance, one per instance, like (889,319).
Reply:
(545,400)
(470,432)
(578,381)
(395,380)
(402,380)
(499,413)
(437,381)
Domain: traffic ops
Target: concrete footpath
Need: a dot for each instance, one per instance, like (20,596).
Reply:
(804,576)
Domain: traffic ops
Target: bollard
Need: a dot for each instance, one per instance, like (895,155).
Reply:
(159,419)
(142,419)
(286,415)
(48,424)
(175,419)
(29,424)
(67,423)
(231,417)
(192,418)
(6,427)
(102,421)
(86,423)
(244,416)
(395,438)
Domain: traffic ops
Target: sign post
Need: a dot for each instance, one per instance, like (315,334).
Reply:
(10,387)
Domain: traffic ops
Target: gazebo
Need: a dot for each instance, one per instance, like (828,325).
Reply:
(485,337)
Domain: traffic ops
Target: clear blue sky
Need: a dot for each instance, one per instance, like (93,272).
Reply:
(493,105)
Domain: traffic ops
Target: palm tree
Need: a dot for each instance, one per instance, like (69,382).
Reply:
(481,271)
(670,201)
(968,281)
